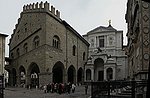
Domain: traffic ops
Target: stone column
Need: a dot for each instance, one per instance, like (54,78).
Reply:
(114,73)
(65,77)
(105,74)
(28,79)
(75,78)
(19,79)
(45,78)
(10,79)
(92,74)
(84,74)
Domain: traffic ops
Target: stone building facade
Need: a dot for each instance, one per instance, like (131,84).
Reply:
(138,47)
(44,48)
(2,52)
(107,59)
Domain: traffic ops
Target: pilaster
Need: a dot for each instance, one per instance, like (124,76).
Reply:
(145,24)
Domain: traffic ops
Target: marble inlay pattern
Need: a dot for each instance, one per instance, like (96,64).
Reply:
(145,5)
(145,17)
(146,30)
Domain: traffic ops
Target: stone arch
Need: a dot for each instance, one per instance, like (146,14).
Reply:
(88,74)
(109,72)
(71,74)
(14,77)
(80,75)
(99,69)
(33,75)
(22,74)
(58,72)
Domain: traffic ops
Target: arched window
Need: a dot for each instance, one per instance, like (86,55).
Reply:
(56,42)
(74,50)
(18,52)
(36,41)
(83,55)
(25,48)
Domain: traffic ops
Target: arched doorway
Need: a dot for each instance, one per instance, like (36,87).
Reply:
(109,74)
(80,75)
(14,77)
(58,71)
(22,75)
(88,74)
(34,75)
(99,69)
(71,74)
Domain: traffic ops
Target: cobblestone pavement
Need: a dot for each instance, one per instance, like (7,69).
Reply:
(33,93)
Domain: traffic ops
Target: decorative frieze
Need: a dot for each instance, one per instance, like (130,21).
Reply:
(146,43)
(146,30)
(145,18)
(145,5)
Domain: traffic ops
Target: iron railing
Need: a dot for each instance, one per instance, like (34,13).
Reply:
(118,89)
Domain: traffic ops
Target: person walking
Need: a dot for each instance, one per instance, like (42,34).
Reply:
(68,87)
(45,88)
(73,87)
(86,89)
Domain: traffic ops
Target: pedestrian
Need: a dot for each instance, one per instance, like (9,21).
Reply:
(69,87)
(52,87)
(86,89)
(59,88)
(65,87)
(45,88)
(56,87)
(36,87)
(73,87)
(48,88)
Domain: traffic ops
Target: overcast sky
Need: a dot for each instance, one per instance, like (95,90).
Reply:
(82,15)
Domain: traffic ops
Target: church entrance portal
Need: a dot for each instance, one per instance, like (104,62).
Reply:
(99,69)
